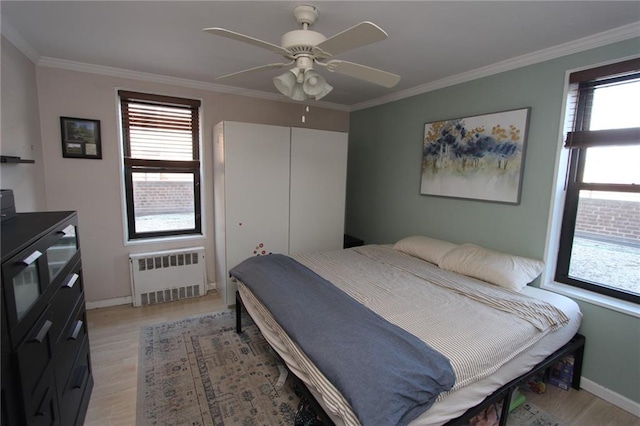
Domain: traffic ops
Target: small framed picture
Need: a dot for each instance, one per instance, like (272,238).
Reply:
(80,138)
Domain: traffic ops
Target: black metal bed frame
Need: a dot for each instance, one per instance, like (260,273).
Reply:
(574,347)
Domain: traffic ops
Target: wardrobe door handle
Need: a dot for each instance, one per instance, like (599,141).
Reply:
(71,281)
(43,332)
(76,330)
(31,258)
(42,407)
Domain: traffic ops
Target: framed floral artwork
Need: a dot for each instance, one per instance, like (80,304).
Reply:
(479,157)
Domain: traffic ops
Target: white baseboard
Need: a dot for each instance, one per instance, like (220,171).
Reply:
(610,396)
(127,300)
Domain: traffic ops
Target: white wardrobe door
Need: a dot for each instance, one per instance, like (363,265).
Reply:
(318,190)
(257,192)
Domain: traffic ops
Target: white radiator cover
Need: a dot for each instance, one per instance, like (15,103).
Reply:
(165,276)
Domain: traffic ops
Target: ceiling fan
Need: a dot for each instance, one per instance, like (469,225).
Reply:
(304,48)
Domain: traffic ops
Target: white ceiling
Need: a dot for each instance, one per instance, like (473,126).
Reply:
(430,42)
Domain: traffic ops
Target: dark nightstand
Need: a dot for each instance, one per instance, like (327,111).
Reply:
(350,241)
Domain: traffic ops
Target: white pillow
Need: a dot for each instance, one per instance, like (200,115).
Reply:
(505,270)
(425,248)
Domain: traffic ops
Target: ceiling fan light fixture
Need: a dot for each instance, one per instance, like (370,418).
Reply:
(299,73)
(286,82)
(325,91)
(314,83)
(300,85)
(297,94)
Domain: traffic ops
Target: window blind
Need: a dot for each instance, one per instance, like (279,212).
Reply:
(582,88)
(159,127)
(606,71)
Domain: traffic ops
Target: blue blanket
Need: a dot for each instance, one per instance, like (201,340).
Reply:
(388,376)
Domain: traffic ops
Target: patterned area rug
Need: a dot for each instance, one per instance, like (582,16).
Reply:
(526,414)
(530,415)
(198,371)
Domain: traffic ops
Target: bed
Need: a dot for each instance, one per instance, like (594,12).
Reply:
(468,304)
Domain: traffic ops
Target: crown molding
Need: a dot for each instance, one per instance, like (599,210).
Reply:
(18,41)
(597,40)
(174,81)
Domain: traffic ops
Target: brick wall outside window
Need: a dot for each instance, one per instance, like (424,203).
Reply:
(616,220)
(162,197)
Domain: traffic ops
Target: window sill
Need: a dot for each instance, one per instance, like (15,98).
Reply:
(144,241)
(601,300)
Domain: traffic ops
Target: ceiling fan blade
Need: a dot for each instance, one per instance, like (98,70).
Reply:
(253,70)
(363,72)
(359,35)
(246,39)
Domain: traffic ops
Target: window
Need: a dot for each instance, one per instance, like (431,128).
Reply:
(599,246)
(161,165)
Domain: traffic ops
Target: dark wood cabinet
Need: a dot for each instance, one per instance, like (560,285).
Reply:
(46,365)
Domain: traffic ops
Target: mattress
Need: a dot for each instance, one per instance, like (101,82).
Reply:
(449,406)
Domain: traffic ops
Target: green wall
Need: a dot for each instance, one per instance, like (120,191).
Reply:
(384,202)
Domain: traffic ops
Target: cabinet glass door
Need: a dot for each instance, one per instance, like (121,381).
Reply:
(26,285)
(62,251)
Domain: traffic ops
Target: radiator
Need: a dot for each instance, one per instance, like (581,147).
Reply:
(165,276)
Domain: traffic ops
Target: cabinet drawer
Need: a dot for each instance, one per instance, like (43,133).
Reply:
(34,354)
(26,291)
(80,381)
(63,304)
(62,249)
(69,346)
(42,409)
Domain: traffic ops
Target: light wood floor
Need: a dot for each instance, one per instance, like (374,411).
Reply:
(114,336)
(580,408)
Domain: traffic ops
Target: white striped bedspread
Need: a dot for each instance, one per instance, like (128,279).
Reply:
(477,325)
